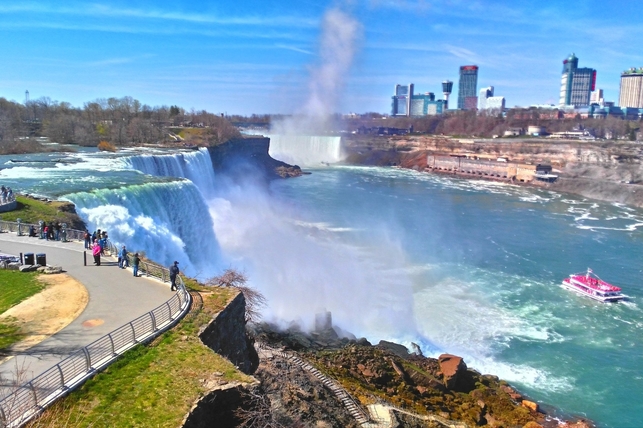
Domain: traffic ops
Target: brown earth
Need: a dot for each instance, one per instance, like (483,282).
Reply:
(47,312)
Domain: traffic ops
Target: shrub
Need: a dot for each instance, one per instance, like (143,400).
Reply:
(105,146)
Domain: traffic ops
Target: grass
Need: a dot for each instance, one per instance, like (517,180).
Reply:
(14,288)
(32,210)
(151,385)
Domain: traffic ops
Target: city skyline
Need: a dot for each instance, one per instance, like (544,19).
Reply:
(261,57)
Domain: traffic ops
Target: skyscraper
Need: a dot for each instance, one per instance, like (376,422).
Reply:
(576,84)
(482,97)
(468,87)
(401,103)
(631,92)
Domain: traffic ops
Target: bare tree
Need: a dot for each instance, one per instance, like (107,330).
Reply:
(254,299)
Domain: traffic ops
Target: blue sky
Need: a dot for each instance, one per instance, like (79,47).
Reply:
(254,56)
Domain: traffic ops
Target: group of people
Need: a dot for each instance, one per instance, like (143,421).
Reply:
(50,231)
(6,195)
(97,242)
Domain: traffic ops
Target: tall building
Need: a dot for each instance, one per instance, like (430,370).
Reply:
(576,84)
(631,92)
(401,105)
(596,97)
(482,97)
(468,87)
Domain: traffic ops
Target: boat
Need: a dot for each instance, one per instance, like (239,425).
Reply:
(590,285)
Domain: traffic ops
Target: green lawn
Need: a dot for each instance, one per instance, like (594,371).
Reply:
(14,288)
(32,210)
(152,385)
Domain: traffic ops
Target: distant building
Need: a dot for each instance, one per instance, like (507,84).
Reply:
(576,84)
(468,87)
(495,103)
(596,97)
(482,97)
(447,88)
(401,104)
(631,92)
(406,103)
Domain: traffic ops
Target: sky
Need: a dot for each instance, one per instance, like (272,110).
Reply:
(257,57)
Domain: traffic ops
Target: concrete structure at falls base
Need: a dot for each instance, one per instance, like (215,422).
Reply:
(499,169)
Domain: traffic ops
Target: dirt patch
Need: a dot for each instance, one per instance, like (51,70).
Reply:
(47,312)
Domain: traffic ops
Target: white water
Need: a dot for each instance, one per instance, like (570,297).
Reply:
(306,150)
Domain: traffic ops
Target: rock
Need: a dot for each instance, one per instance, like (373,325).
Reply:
(530,405)
(532,424)
(28,268)
(452,368)
(416,349)
(396,348)
(13,266)
(3,264)
(362,341)
(49,270)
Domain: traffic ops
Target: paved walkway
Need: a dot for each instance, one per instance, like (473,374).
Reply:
(116,297)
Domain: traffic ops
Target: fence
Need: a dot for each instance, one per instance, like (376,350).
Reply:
(23,229)
(29,399)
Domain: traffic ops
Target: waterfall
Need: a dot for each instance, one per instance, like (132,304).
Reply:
(196,166)
(168,221)
(306,150)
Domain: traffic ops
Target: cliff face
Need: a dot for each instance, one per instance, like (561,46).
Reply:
(244,157)
(226,335)
(609,171)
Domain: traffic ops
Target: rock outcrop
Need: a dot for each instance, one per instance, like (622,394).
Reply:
(248,157)
(226,335)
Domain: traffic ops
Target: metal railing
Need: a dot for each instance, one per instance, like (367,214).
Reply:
(31,398)
(22,229)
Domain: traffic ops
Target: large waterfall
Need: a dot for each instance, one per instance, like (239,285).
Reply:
(195,166)
(168,221)
(306,150)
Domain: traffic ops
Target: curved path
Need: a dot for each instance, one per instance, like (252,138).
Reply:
(115,298)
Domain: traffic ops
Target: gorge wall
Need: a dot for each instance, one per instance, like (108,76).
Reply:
(604,170)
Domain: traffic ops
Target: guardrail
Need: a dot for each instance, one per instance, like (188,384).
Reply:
(31,398)
(23,229)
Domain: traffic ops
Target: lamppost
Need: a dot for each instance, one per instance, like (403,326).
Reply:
(42,229)
(19,227)
(64,232)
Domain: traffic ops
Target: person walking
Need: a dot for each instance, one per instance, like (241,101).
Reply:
(96,253)
(88,237)
(135,264)
(174,271)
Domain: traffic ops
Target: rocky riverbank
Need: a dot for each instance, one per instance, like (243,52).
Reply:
(608,171)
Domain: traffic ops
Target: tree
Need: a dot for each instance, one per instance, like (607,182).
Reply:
(254,299)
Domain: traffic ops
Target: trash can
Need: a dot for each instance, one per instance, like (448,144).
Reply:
(41,259)
(29,260)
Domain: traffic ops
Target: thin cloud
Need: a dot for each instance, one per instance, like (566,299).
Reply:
(294,48)
(100,10)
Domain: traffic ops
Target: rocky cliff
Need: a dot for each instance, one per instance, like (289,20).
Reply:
(609,171)
(245,157)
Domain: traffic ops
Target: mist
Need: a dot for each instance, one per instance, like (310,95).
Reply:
(340,34)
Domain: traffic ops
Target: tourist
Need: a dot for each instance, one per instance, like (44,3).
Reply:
(96,253)
(46,232)
(135,264)
(87,238)
(122,258)
(32,231)
(57,231)
(102,243)
(174,271)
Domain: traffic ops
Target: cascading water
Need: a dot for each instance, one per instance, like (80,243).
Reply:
(195,166)
(306,150)
(168,221)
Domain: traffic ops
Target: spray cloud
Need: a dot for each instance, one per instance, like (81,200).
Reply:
(337,47)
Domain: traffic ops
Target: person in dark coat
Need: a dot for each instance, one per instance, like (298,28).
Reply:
(174,271)
(135,264)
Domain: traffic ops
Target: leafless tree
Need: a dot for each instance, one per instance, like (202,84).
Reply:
(255,301)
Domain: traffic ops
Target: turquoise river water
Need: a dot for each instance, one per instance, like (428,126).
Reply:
(466,267)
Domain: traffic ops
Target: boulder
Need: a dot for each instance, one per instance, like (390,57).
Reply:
(3,264)
(13,266)
(530,405)
(28,268)
(49,270)
(396,348)
(453,369)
